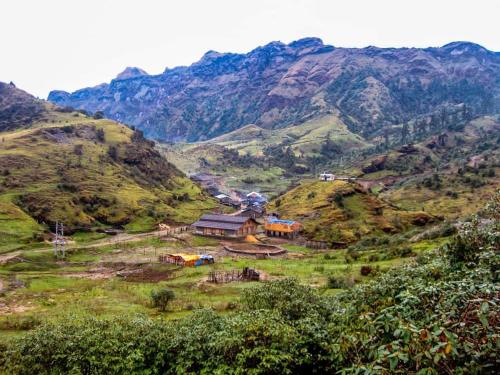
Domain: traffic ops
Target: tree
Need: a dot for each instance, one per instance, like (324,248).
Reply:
(404,132)
(98,115)
(113,152)
(78,150)
(444,117)
(161,298)
(137,136)
(386,138)
(328,148)
(100,135)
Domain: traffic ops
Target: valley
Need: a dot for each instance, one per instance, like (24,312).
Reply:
(295,208)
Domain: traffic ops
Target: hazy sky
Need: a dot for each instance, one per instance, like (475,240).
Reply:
(70,44)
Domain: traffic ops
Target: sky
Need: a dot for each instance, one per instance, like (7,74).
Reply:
(71,44)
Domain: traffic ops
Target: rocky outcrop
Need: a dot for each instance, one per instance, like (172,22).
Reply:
(279,84)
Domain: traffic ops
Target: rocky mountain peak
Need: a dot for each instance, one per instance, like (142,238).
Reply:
(461,47)
(211,56)
(131,72)
(306,43)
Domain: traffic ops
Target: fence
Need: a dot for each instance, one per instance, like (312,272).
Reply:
(315,244)
(171,231)
(247,274)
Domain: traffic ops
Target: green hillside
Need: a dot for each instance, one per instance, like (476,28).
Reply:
(341,211)
(305,138)
(87,173)
(449,175)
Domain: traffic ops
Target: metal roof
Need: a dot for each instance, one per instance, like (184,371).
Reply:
(217,225)
(224,218)
(278,221)
(221,221)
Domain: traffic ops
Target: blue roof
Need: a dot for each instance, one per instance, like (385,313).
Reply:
(278,221)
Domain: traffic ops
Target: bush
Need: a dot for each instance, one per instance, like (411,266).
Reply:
(113,153)
(339,200)
(339,282)
(101,136)
(365,270)
(319,269)
(98,115)
(161,298)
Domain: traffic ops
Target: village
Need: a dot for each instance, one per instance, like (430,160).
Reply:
(248,231)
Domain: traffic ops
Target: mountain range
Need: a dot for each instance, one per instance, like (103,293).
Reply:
(280,85)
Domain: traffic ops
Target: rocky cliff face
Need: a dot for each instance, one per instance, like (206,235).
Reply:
(278,85)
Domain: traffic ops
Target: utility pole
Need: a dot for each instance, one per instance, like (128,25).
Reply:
(59,241)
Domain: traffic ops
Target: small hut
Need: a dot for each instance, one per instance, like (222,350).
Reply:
(186,260)
(282,228)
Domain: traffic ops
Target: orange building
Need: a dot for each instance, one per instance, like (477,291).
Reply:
(282,228)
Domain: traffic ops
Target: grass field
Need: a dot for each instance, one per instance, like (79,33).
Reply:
(37,287)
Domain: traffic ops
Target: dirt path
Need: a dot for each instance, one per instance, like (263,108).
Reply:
(126,237)
(386,181)
(119,238)
(5,258)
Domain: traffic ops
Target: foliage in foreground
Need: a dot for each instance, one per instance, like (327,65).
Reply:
(438,315)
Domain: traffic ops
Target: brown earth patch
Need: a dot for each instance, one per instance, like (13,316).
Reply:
(146,275)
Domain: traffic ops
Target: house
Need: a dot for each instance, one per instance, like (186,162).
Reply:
(327,176)
(331,177)
(282,228)
(227,201)
(255,197)
(187,260)
(253,211)
(225,225)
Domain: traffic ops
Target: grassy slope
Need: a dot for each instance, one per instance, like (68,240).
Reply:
(305,138)
(356,215)
(458,196)
(47,178)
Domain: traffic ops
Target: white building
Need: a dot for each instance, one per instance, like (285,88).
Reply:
(327,176)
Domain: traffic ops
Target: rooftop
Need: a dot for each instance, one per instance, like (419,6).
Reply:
(221,221)
(279,221)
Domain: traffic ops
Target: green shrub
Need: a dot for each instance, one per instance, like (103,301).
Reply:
(319,269)
(365,270)
(339,282)
(161,298)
